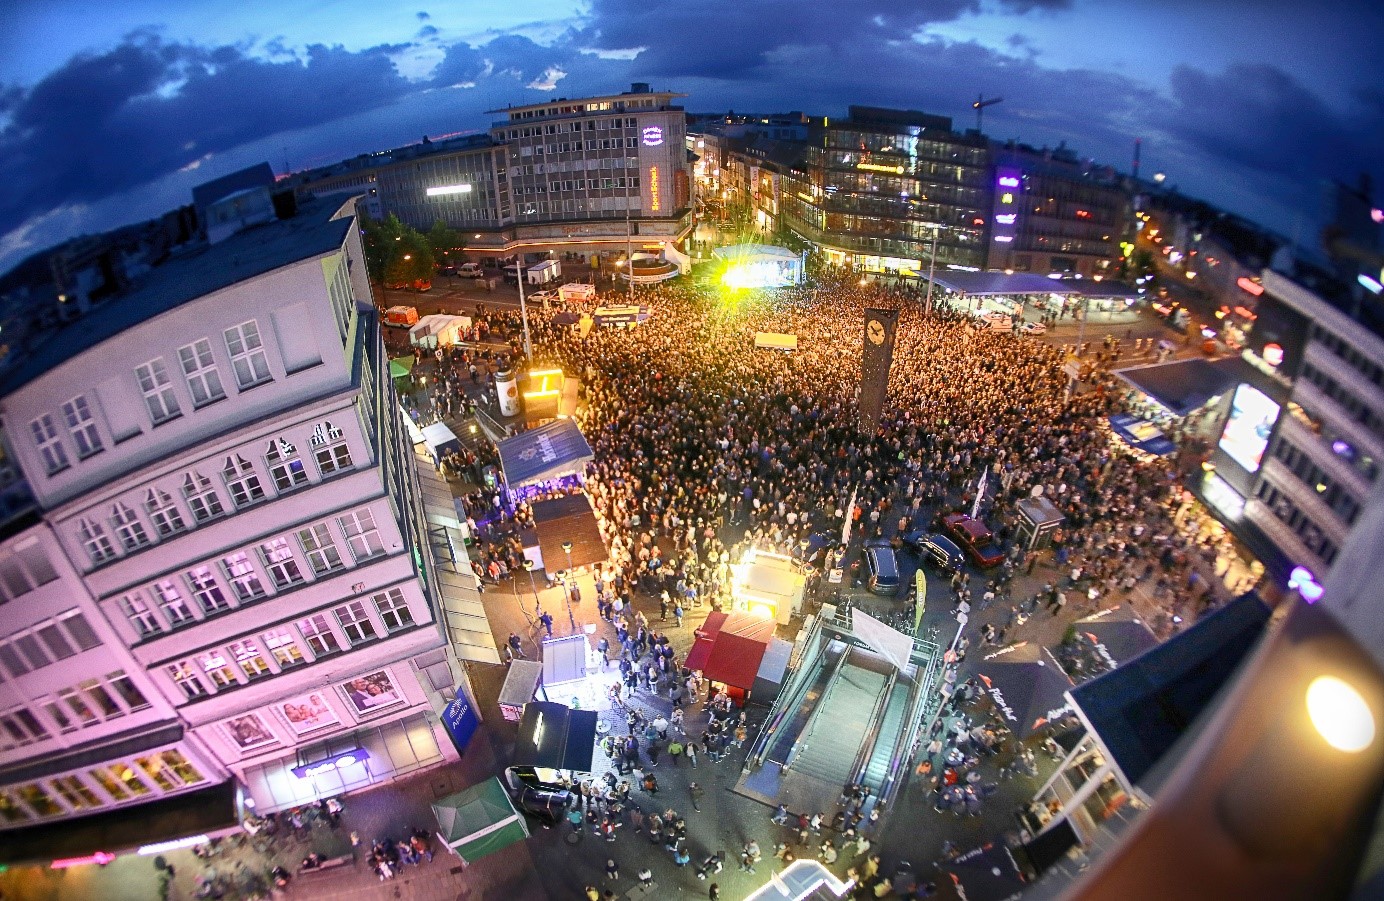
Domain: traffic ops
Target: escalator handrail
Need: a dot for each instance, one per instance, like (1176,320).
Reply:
(800,743)
(867,747)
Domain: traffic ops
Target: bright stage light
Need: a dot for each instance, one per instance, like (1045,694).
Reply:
(1340,714)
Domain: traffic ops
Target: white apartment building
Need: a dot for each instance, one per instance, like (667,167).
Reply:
(235,543)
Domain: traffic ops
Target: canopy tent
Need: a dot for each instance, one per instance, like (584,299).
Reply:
(987,873)
(548,452)
(758,266)
(555,736)
(400,367)
(479,820)
(988,284)
(1184,386)
(1141,434)
(1027,691)
(729,648)
(775,341)
(561,520)
(440,440)
(1120,638)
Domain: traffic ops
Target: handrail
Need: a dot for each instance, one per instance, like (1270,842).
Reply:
(800,744)
(867,747)
(780,707)
(919,712)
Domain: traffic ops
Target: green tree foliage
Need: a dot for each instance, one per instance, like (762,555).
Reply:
(398,255)
(446,243)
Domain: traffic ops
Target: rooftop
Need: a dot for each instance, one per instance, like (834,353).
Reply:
(186,277)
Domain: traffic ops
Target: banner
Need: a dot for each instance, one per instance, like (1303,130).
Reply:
(876,358)
(888,642)
(920,585)
(460,720)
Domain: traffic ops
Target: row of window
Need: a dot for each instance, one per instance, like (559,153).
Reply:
(24,567)
(1357,409)
(200,374)
(88,703)
(1307,531)
(1370,369)
(103,786)
(247,575)
(284,647)
(47,642)
(587,184)
(1331,492)
(127,530)
(566,127)
(587,165)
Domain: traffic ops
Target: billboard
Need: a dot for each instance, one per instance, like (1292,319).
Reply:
(1247,430)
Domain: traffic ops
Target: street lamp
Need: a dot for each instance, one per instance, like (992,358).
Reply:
(571,619)
(537,608)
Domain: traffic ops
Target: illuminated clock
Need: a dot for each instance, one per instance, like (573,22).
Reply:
(874,330)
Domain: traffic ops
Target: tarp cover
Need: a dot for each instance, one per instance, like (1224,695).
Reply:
(555,736)
(1141,434)
(546,452)
(479,820)
(1027,691)
(1184,386)
(989,283)
(1120,637)
(987,873)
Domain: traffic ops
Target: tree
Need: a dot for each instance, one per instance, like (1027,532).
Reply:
(446,242)
(396,254)
(382,240)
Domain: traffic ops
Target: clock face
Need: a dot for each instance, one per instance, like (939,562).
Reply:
(874,330)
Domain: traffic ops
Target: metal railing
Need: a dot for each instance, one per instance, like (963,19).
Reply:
(799,682)
(800,743)
(867,747)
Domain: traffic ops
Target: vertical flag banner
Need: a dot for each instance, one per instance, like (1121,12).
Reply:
(876,358)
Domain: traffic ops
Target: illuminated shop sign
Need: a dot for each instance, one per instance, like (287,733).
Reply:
(880,167)
(449,189)
(653,189)
(653,136)
(1250,285)
(335,762)
(1006,218)
(1008,181)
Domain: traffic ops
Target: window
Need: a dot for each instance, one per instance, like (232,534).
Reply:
(201,497)
(98,546)
(248,361)
(240,571)
(56,642)
(170,769)
(39,801)
(10,811)
(218,669)
(285,467)
(167,518)
(329,449)
(79,630)
(137,611)
(158,391)
(171,601)
(281,644)
(78,705)
(393,609)
(203,381)
(321,550)
(121,774)
(109,784)
(81,425)
(206,590)
(124,687)
(59,716)
(20,727)
(242,481)
(75,793)
(317,632)
(355,622)
(49,444)
(128,527)
(14,664)
(251,660)
(33,652)
(187,679)
(278,560)
(100,699)
(361,535)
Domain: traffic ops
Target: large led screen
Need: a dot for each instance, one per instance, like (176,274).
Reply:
(1246,435)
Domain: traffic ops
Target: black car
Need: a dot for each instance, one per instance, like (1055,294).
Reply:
(939,549)
(883,569)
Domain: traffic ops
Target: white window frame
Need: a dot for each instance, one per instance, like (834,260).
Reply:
(81,425)
(318,635)
(248,359)
(164,513)
(129,527)
(99,547)
(250,657)
(394,610)
(354,619)
(200,372)
(140,614)
(283,647)
(362,535)
(159,396)
(171,601)
(323,556)
(220,671)
(201,497)
(245,580)
(286,469)
(242,482)
(330,450)
(201,581)
(280,563)
(185,676)
(49,444)
(127,695)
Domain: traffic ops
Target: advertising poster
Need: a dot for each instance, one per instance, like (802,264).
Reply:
(369,693)
(1246,434)
(309,713)
(249,731)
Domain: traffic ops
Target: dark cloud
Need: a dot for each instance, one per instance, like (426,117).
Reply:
(423,16)
(1028,6)
(427,31)
(107,122)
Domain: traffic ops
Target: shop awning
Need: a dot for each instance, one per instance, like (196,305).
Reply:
(1140,711)
(1141,435)
(568,519)
(400,367)
(993,283)
(987,873)
(440,440)
(1117,637)
(729,648)
(1028,691)
(547,452)
(479,820)
(556,737)
(1185,386)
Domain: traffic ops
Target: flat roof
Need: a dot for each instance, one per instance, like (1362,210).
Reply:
(1186,385)
(256,251)
(993,282)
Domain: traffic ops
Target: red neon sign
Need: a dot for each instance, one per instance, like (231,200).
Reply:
(1250,285)
(100,858)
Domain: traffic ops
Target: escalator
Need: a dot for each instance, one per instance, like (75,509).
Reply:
(887,739)
(840,726)
(796,721)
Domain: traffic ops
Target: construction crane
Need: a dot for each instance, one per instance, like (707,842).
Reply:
(980,105)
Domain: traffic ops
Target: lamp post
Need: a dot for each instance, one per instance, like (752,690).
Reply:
(523,308)
(537,607)
(571,619)
(931,267)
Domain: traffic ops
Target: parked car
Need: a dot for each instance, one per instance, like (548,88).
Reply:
(1033,328)
(447,270)
(975,538)
(939,549)
(543,297)
(993,322)
(470,270)
(882,569)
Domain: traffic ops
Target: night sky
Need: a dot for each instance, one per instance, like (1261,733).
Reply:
(112,111)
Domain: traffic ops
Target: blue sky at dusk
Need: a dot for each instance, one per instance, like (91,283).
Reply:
(109,113)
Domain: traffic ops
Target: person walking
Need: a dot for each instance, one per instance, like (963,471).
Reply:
(691,752)
(612,869)
(675,749)
(780,817)
(546,619)
(714,893)
(696,791)
(516,645)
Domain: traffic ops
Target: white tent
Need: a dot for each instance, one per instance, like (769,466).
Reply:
(440,441)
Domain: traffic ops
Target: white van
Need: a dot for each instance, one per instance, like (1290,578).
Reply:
(993,322)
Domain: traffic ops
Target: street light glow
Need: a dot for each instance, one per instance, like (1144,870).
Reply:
(1340,714)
